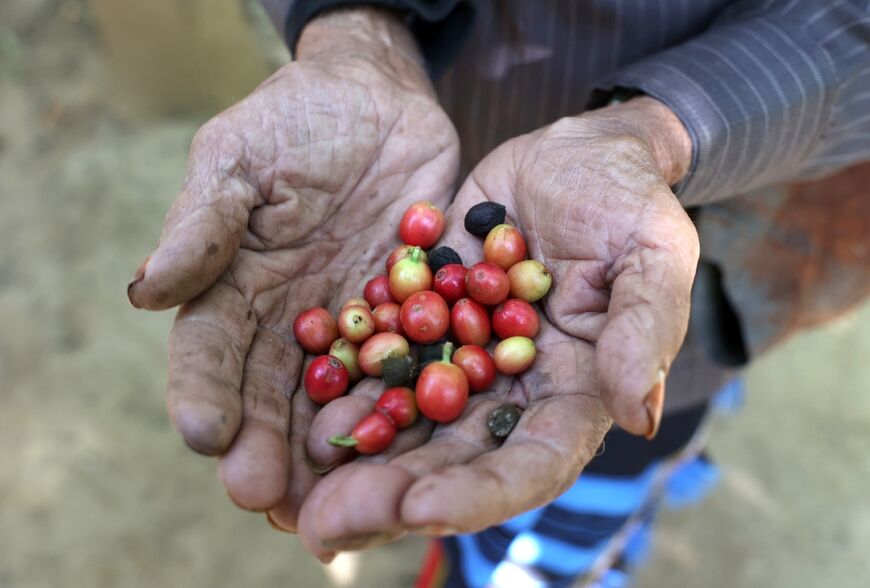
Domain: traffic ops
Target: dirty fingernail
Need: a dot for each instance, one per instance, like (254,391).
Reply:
(654,403)
(327,559)
(137,277)
(323,470)
(358,541)
(275,525)
(436,530)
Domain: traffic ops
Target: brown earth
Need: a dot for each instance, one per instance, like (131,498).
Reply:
(95,487)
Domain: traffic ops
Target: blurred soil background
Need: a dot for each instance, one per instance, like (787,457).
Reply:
(98,103)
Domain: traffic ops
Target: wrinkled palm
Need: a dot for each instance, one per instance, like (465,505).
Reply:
(595,209)
(292,198)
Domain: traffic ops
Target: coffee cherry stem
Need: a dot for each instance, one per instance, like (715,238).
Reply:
(447,352)
(415,254)
(343,441)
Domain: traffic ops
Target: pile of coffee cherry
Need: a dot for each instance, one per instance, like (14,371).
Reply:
(425,325)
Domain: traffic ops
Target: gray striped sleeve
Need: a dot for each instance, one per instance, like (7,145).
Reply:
(767,94)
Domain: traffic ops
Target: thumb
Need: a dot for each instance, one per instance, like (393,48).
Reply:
(647,318)
(203,229)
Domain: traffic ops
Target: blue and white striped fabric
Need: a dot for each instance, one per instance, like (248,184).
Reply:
(553,545)
(600,521)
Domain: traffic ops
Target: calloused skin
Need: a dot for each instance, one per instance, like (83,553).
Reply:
(312,215)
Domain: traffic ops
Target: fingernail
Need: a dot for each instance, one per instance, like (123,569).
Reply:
(654,403)
(358,541)
(327,559)
(601,449)
(323,470)
(275,525)
(137,277)
(436,530)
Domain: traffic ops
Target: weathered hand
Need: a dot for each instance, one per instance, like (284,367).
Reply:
(591,195)
(291,196)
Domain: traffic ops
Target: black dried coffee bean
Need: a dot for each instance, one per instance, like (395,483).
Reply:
(440,257)
(397,371)
(481,218)
(503,419)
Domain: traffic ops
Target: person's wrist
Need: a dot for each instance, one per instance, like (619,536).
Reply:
(376,35)
(660,129)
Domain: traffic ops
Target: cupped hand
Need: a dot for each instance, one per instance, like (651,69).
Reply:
(591,194)
(292,196)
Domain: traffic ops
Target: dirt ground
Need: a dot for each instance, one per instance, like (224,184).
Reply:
(96,490)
